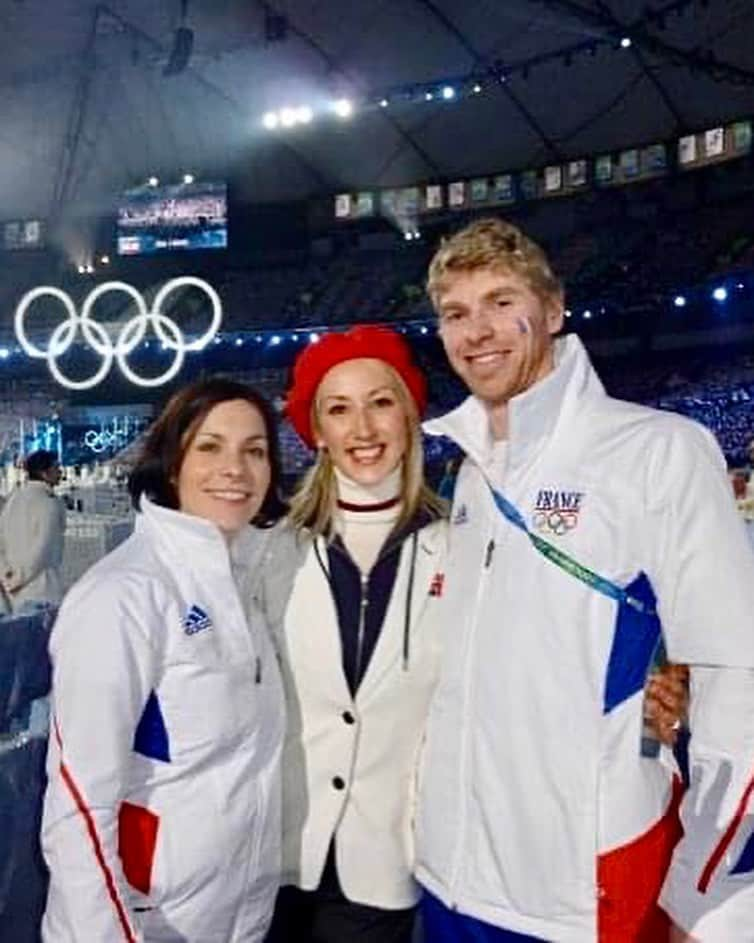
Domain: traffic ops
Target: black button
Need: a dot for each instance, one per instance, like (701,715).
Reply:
(348,717)
(338,782)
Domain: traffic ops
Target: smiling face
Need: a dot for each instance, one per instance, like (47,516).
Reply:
(497,332)
(362,419)
(225,470)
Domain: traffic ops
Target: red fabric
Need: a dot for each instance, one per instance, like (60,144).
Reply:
(379,343)
(99,854)
(137,837)
(630,879)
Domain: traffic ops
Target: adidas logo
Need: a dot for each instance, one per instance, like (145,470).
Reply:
(196,620)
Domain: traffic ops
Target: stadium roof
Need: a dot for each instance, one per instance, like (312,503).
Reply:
(88,110)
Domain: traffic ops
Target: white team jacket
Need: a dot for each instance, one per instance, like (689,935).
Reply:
(162,813)
(32,528)
(371,742)
(537,812)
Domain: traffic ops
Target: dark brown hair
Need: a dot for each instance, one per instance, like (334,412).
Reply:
(170,435)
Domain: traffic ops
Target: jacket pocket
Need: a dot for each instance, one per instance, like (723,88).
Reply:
(137,840)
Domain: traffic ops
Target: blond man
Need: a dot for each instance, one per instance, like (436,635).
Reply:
(584,531)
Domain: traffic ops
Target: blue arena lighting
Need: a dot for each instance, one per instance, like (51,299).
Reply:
(239,342)
(275,340)
(448,93)
(679,301)
(313,337)
(587,314)
(720,294)
(4,353)
(294,337)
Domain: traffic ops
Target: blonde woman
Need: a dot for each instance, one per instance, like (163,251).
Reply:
(359,650)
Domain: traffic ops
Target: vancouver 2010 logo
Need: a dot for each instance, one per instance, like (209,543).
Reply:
(129,336)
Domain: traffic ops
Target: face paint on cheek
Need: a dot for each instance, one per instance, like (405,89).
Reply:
(523,326)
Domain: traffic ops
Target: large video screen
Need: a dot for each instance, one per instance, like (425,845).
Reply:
(170,218)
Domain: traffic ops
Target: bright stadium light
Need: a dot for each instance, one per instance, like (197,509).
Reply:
(153,181)
(275,340)
(304,114)
(288,117)
(720,293)
(448,93)
(4,353)
(625,42)
(270,121)
(384,103)
(188,178)
(313,337)
(428,96)
(104,260)
(239,342)
(679,301)
(343,108)
(476,88)
(587,315)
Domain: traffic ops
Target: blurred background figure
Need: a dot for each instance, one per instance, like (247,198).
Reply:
(32,527)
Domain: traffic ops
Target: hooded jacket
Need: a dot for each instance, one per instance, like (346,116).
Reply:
(161,817)
(538,812)
(354,737)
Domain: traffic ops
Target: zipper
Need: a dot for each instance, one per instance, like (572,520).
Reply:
(363,605)
(464,745)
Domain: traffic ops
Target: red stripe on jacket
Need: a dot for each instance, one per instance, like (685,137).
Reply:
(96,844)
(724,843)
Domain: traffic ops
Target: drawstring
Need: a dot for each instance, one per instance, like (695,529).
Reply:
(409,597)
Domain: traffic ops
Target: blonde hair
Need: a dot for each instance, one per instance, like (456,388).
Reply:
(315,502)
(496,244)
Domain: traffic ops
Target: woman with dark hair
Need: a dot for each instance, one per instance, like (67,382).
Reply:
(161,819)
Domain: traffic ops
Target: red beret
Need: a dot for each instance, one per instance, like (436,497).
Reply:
(377,343)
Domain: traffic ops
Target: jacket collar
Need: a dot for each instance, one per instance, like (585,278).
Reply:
(533,416)
(186,535)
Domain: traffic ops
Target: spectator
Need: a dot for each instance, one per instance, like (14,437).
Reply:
(32,529)
(583,530)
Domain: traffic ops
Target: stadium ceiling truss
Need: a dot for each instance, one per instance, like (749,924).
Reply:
(99,96)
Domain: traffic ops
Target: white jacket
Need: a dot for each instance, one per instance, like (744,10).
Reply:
(162,813)
(537,812)
(32,534)
(349,764)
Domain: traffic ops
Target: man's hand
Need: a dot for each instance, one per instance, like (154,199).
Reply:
(680,936)
(666,701)
(10,582)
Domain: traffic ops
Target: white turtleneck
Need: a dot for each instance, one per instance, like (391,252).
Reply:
(365,532)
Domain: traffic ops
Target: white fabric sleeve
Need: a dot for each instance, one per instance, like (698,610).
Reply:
(702,567)
(703,575)
(709,891)
(104,667)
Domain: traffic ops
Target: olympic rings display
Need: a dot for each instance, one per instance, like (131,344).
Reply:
(129,337)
